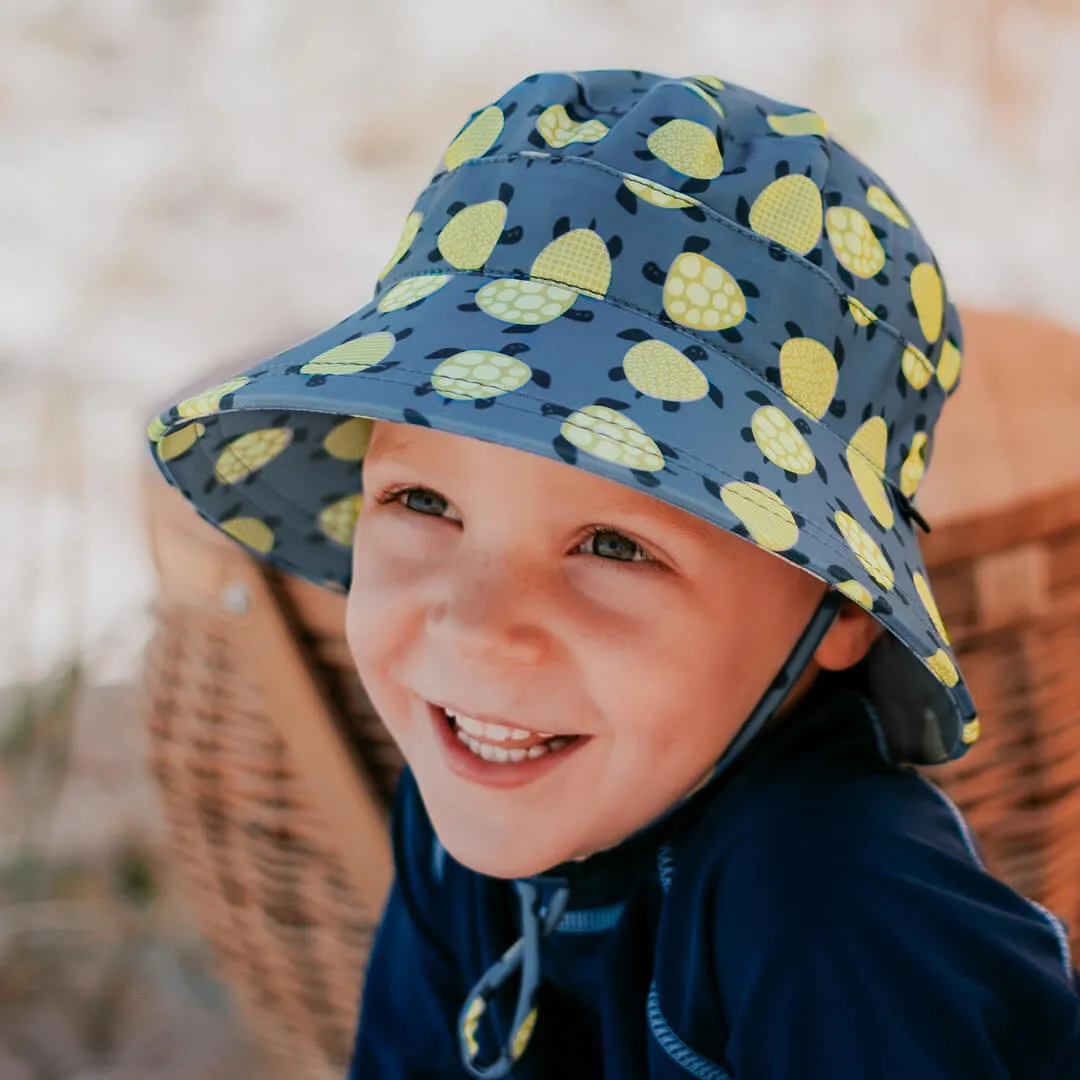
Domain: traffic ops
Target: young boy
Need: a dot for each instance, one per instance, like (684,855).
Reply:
(641,405)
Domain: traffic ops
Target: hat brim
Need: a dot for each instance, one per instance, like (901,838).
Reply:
(266,456)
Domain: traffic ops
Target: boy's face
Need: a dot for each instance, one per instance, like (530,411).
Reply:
(527,594)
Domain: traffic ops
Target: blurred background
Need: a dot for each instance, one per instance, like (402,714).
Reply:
(191,184)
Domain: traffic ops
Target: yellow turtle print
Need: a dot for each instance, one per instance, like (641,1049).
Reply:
(475,374)
(865,549)
(352,357)
(948,370)
(854,242)
(471,1023)
(411,290)
(790,212)
(687,147)
(856,592)
(348,441)
(764,515)
(943,667)
(469,237)
(914,467)
(338,520)
(701,294)
(808,375)
(523,1035)
(527,303)
(972,730)
(250,452)
(711,81)
(180,442)
(611,436)
(916,367)
(557,129)
(705,96)
(781,441)
(408,235)
(866,453)
(577,261)
(156,429)
(476,138)
(252,532)
(928,295)
(656,194)
(922,587)
(860,312)
(878,199)
(799,123)
(209,401)
(659,370)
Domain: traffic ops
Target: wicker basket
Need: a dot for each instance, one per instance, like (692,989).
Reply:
(1004,500)
(275,772)
(275,776)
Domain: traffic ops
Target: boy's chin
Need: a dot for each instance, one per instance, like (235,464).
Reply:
(497,853)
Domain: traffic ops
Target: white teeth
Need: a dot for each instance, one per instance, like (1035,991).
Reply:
(504,755)
(471,732)
(467,723)
(493,732)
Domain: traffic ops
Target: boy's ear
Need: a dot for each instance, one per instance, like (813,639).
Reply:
(849,638)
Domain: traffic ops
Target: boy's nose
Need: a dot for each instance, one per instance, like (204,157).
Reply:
(490,609)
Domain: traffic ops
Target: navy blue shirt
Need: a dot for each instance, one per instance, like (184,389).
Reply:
(818,913)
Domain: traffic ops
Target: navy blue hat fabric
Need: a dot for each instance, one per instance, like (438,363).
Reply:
(675,283)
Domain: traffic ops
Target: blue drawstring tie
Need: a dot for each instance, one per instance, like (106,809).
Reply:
(537,922)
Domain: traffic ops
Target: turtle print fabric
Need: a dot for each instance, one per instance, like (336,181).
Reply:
(675,283)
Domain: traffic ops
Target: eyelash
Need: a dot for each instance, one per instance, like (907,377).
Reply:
(593,531)
(395,495)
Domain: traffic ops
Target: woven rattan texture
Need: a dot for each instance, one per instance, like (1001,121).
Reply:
(268,887)
(1014,616)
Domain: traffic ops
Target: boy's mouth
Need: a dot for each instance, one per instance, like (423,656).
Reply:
(501,743)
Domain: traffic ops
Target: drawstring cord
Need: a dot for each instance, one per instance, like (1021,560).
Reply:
(537,922)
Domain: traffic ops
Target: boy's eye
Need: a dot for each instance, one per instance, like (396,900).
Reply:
(612,544)
(420,501)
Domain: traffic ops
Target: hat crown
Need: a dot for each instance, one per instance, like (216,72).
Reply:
(726,215)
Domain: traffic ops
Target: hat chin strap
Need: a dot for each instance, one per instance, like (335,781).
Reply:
(789,674)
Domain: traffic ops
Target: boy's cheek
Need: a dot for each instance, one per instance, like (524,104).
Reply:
(373,632)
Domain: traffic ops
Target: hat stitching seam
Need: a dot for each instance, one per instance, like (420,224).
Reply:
(720,219)
(814,528)
(677,328)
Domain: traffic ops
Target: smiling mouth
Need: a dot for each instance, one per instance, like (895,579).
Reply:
(502,744)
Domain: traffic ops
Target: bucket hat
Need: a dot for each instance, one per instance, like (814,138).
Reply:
(675,283)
